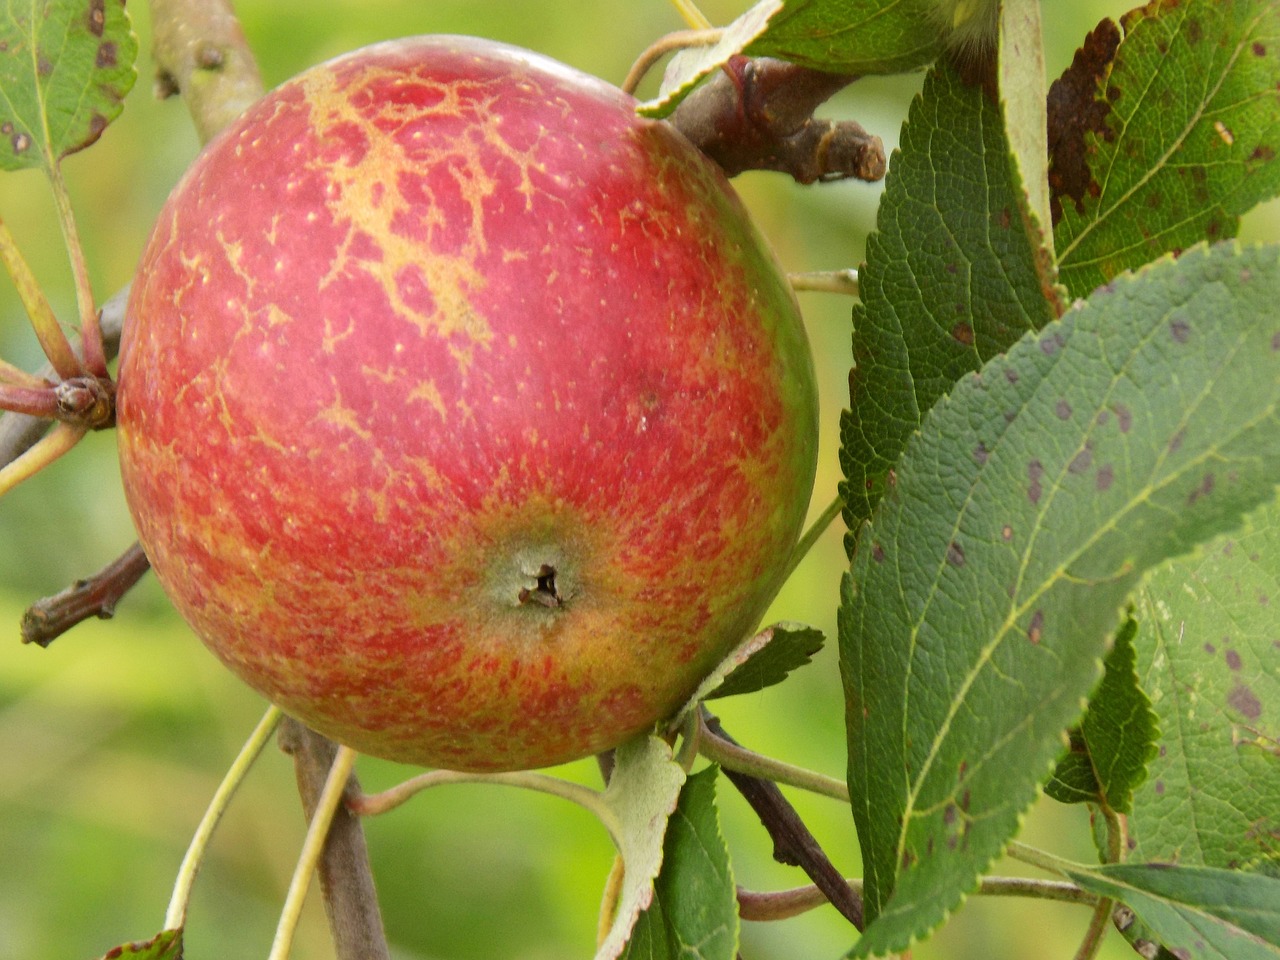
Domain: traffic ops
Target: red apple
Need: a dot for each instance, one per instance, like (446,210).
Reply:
(462,412)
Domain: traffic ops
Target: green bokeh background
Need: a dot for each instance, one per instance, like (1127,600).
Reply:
(113,740)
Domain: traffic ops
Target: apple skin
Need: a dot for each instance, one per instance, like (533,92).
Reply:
(462,412)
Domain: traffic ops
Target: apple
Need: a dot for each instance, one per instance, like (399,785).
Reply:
(463,413)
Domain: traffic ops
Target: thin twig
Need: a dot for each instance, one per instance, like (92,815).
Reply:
(346,882)
(793,844)
(96,596)
(784,904)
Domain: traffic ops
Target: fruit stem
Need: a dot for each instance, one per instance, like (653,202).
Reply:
(312,847)
(95,357)
(1038,858)
(680,40)
(371,804)
(784,904)
(49,448)
(691,15)
(730,756)
(844,282)
(812,536)
(53,340)
(18,377)
(176,916)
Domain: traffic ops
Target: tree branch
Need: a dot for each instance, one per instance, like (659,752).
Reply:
(757,114)
(350,900)
(46,620)
(793,844)
(201,53)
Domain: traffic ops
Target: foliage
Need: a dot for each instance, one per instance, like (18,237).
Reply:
(1059,458)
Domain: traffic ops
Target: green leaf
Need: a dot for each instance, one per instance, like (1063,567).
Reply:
(1167,143)
(1208,653)
(166,945)
(768,658)
(642,793)
(1117,737)
(861,37)
(688,67)
(983,592)
(694,913)
(1196,912)
(65,67)
(952,279)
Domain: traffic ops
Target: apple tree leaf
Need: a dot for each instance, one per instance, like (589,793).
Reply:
(952,278)
(65,67)
(1208,654)
(688,67)
(1197,913)
(642,793)
(984,590)
(166,945)
(1164,131)
(1117,737)
(694,913)
(768,658)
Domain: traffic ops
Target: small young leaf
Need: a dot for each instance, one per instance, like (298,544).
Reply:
(1034,498)
(1118,733)
(1165,139)
(688,67)
(1197,913)
(768,658)
(1207,655)
(65,67)
(694,913)
(642,793)
(953,278)
(166,945)
(1073,779)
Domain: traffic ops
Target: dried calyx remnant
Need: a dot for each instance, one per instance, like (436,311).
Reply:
(544,592)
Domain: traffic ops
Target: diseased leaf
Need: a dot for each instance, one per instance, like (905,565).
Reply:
(952,279)
(166,945)
(983,591)
(1209,656)
(65,67)
(1198,913)
(1117,736)
(642,793)
(1163,138)
(694,913)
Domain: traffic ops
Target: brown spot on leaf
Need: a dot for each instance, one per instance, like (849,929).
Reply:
(1244,701)
(1035,470)
(1075,110)
(1049,346)
(1081,461)
(1159,786)
(1106,477)
(1233,660)
(1259,48)
(1011,374)
(1209,648)
(107,55)
(1062,410)
(877,553)
(44,66)
(981,454)
(1035,629)
(955,554)
(1124,417)
(1175,442)
(963,333)
(21,142)
(97,17)
(1195,30)
(1006,532)
(1205,488)
(6,128)
(1180,330)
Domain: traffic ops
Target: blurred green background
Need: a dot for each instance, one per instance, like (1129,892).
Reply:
(113,740)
